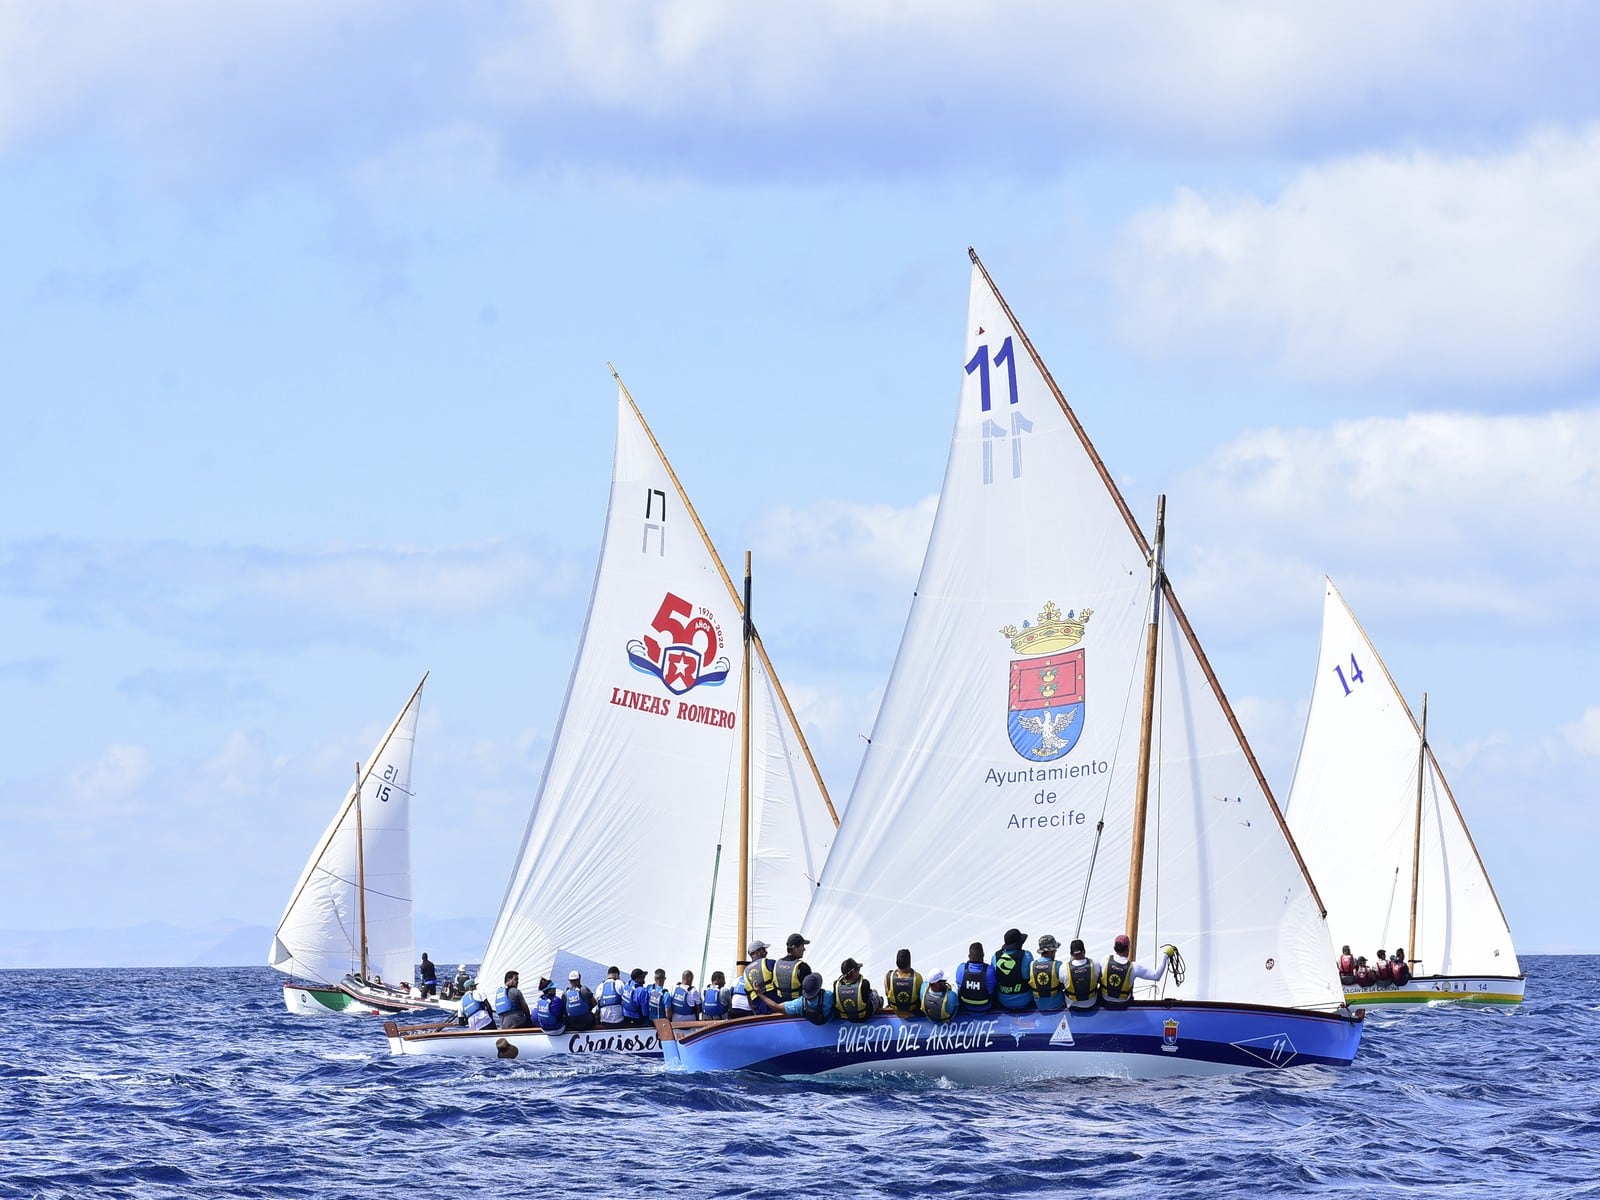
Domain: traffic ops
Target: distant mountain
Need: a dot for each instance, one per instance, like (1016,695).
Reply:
(225,943)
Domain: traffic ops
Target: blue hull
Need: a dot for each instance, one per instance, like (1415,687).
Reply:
(1144,1041)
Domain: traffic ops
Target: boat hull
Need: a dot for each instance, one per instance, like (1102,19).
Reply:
(1504,991)
(450,1039)
(308,1000)
(1143,1041)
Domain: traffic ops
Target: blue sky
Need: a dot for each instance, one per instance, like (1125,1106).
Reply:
(306,309)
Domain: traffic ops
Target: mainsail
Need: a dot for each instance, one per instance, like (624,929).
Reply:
(630,857)
(1356,811)
(998,789)
(319,937)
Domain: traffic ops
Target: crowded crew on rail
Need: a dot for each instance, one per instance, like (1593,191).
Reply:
(1388,971)
(1012,979)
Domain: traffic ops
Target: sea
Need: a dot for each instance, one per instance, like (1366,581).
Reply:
(197,1083)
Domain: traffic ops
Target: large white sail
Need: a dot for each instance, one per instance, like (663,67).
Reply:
(319,937)
(998,789)
(632,848)
(1353,809)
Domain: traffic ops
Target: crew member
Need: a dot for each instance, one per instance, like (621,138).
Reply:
(1044,977)
(902,987)
(1116,981)
(939,999)
(975,981)
(852,995)
(1011,964)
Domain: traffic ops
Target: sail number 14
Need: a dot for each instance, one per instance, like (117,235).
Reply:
(1355,675)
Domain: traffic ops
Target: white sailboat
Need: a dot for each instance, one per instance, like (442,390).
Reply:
(631,856)
(1384,838)
(1054,754)
(345,937)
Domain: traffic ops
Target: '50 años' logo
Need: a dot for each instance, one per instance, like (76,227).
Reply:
(681,650)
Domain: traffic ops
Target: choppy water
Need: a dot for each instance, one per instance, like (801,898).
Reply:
(156,1083)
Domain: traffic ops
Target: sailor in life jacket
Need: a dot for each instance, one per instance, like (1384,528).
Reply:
(1044,977)
(1347,967)
(475,1013)
(902,987)
(1381,971)
(608,998)
(1082,978)
(852,995)
(1011,964)
(814,1003)
(714,999)
(939,1001)
(1116,980)
(738,999)
(1365,976)
(975,981)
(758,980)
(579,1001)
(1399,970)
(683,1003)
(632,992)
(657,997)
(791,969)
(511,1010)
(550,1010)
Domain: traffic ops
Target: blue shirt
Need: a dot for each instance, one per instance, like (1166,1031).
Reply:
(792,1007)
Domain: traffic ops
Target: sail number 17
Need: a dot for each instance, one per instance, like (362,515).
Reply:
(1355,675)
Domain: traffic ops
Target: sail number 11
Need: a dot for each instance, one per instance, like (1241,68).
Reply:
(1355,675)
(993,430)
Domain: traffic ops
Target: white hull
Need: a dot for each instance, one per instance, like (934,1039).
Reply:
(452,1041)
(1483,990)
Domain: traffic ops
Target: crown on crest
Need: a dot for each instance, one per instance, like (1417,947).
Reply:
(1051,633)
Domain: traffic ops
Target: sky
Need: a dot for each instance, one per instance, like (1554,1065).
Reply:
(306,309)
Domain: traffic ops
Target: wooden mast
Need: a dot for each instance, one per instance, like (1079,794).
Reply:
(1141,795)
(744,779)
(361,876)
(1416,835)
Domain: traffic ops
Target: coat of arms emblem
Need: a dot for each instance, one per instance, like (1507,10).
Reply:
(1045,715)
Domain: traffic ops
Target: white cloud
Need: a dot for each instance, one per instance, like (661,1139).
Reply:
(877,543)
(1420,267)
(1469,518)
(269,596)
(1583,735)
(109,786)
(828,89)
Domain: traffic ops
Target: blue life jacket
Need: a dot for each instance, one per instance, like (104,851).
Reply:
(470,1004)
(713,1003)
(609,1000)
(502,1003)
(680,1007)
(580,1012)
(549,1012)
(629,992)
(656,1001)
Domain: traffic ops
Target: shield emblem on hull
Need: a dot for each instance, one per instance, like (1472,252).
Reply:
(1045,718)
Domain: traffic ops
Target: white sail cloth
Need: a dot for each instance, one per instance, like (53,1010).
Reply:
(632,847)
(1353,809)
(319,937)
(996,754)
